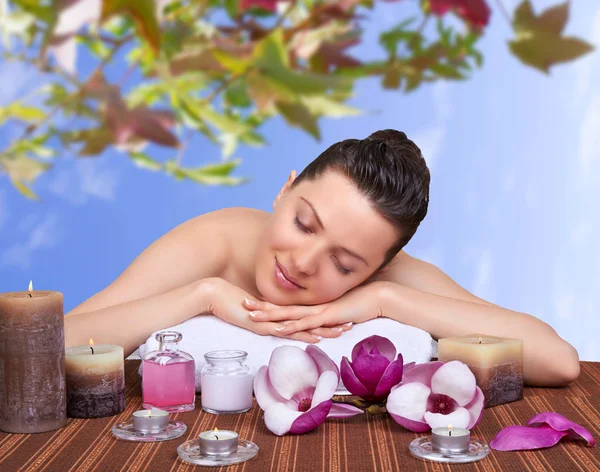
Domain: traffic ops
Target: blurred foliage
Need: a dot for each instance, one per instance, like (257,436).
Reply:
(221,68)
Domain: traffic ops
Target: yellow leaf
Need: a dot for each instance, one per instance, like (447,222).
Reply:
(143,13)
(296,114)
(543,50)
(24,189)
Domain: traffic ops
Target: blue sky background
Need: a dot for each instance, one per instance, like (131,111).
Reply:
(515,162)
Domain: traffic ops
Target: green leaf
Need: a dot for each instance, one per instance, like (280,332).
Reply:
(271,53)
(202,111)
(22,168)
(232,8)
(144,161)
(214,174)
(237,95)
(544,50)
(325,106)
(392,77)
(297,114)
(447,71)
(96,46)
(220,170)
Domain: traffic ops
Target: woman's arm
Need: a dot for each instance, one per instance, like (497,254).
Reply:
(129,324)
(417,293)
(548,360)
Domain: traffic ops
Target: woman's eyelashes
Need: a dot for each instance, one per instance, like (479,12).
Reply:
(304,229)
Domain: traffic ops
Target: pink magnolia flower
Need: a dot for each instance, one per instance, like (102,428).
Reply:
(436,394)
(296,388)
(543,430)
(373,371)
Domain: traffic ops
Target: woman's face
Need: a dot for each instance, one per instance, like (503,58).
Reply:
(323,239)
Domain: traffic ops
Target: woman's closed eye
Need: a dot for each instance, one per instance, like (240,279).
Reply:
(304,229)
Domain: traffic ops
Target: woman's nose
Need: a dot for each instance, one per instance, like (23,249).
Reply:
(305,260)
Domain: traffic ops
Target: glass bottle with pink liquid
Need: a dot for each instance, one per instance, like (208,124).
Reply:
(168,379)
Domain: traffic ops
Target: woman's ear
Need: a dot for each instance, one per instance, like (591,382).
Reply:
(285,188)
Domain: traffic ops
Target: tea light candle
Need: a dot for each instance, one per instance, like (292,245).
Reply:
(218,442)
(32,362)
(497,364)
(454,440)
(95,381)
(150,421)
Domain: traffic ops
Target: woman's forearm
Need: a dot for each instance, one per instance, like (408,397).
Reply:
(548,360)
(130,324)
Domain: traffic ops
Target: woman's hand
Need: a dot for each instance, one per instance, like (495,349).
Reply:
(226,300)
(357,305)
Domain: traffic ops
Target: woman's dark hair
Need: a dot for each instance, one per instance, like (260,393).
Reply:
(389,170)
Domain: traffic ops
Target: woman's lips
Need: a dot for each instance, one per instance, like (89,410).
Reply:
(282,281)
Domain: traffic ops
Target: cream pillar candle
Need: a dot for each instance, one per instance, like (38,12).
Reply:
(32,362)
(95,381)
(497,364)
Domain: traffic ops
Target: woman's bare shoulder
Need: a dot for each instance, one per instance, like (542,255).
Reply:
(198,248)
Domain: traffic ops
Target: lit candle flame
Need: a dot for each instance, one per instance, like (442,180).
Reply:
(92,345)
(479,339)
(149,413)
(449,430)
(216,431)
(31,285)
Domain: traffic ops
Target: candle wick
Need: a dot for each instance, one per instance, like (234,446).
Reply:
(450,433)
(92,350)
(30,296)
(216,436)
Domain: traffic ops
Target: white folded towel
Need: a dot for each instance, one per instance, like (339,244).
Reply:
(205,333)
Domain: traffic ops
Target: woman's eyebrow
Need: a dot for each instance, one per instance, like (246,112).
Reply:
(352,253)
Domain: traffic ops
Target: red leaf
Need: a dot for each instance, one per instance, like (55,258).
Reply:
(270,5)
(475,12)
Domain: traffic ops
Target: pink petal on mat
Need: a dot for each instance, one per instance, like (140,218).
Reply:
(521,438)
(456,380)
(342,410)
(351,382)
(560,423)
(312,418)
(422,373)
(392,376)
(385,347)
(322,360)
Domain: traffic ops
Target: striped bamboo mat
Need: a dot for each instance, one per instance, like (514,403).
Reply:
(360,444)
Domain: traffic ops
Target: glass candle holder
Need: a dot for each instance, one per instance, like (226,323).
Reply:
(226,382)
(168,379)
(450,439)
(150,421)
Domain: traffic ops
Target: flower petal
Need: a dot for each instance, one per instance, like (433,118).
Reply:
(292,371)
(312,418)
(456,380)
(326,387)
(383,345)
(279,418)
(369,369)
(407,404)
(322,360)
(265,393)
(392,376)
(520,438)
(343,410)
(350,380)
(459,418)
(475,408)
(560,423)
(422,373)
(408,366)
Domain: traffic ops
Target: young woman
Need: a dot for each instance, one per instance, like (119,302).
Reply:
(328,256)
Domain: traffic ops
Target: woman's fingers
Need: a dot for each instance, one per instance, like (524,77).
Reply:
(332,332)
(280,314)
